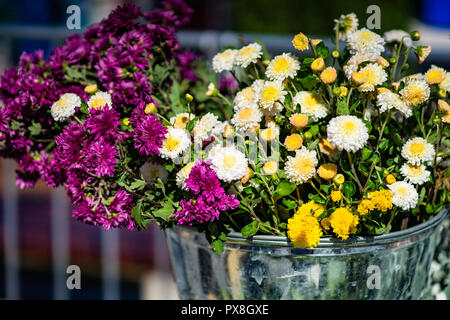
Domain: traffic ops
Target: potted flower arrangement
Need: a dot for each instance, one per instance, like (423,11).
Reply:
(318,171)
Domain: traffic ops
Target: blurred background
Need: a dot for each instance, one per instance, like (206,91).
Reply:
(39,239)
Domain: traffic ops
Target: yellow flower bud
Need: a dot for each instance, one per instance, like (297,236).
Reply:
(327,171)
(344,91)
(92,88)
(390,179)
(270,168)
(329,75)
(299,120)
(150,108)
(188,97)
(339,178)
(318,65)
(293,142)
(126,121)
(382,62)
(247,176)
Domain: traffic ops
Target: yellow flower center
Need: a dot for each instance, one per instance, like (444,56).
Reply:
(171,143)
(305,165)
(415,95)
(402,191)
(98,102)
(269,94)
(270,167)
(434,76)
(246,114)
(181,121)
(349,127)
(268,134)
(415,170)
(417,148)
(229,161)
(61,103)
(365,36)
(248,51)
(293,142)
(280,65)
(312,101)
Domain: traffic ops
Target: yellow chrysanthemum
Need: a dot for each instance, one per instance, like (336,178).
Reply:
(365,206)
(435,75)
(336,195)
(300,42)
(293,142)
(327,148)
(304,231)
(282,67)
(150,108)
(382,199)
(329,75)
(390,179)
(311,207)
(343,222)
(415,92)
(327,171)
(270,167)
(299,120)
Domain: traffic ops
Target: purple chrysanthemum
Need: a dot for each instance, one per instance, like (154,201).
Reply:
(100,158)
(102,123)
(148,135)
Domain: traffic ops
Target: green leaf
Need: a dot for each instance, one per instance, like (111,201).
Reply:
(288,203)
(422,194)
(218,245)
(349,189)
(285,188)
(384,144)
(313,144)
(342,107)
(366,153)
(166,212)
(322,50)
(314,130)
(136,213)
(250,229)
(35,128)
(137,184)
(434,138)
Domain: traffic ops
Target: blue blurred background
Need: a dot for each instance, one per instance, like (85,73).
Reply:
(38,239)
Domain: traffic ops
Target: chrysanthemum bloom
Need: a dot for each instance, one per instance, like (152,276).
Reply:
(382,62)
(311,207)
(343,91)
(415,92)
(150,108)
(181,120)
(347,133)
(247,117)
(245,97)
(356,60)
(91,88)
(103,123)
(343,222)
(336,195)
(422,52)
(247,176)
(359,78)
(228,162)
(415,174)
(304,231)
(328,75)
(151,171)
(270,167)
(224,61)
(375,76)
(212,90)
(405,195)
(299,120)
(382,200)
(311,104)
(270,133)
(365,206)
(100,158)
(388,100)
(398,36)
(318,65)
(445,84)
(300,42)
(64,108)
(183,174)
(435,75)
(248,54)
(175,143)
(443,106)
(271,92)
(302,167)
(203,127)
(148,135)
(364,40)
(327,171)
(418,150)
(390,179)
(293,142)
(282,67)
(99,99)
(346,24)
(328,149)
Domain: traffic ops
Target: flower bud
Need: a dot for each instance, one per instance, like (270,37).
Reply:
(339,178)
(92,88)
(212,90)
(382,62)
(308,135)
(415,35)
(188,97)
(337,91)
(335,54)
(329,75)
(150,108)
(318,65)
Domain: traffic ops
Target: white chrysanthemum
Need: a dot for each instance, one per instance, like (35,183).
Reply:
(415,174)
(151,171)
(224,61)
(203,127)
(65,106)
(311,104)
(302,167)
(99,99)
(247,117)
(176,141)
(258,85)
(347,133)
(364,40)
(180,120)
(375,75)
(282,67)
(397,36)
(275,110)
(347,24)
(415,92)
(435,75)
(445,84)
(418,150)
(228,162)
(183,174)
(353,63)
(245,97)
(404,195)
(248,54)
(270,93)
(389,100)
